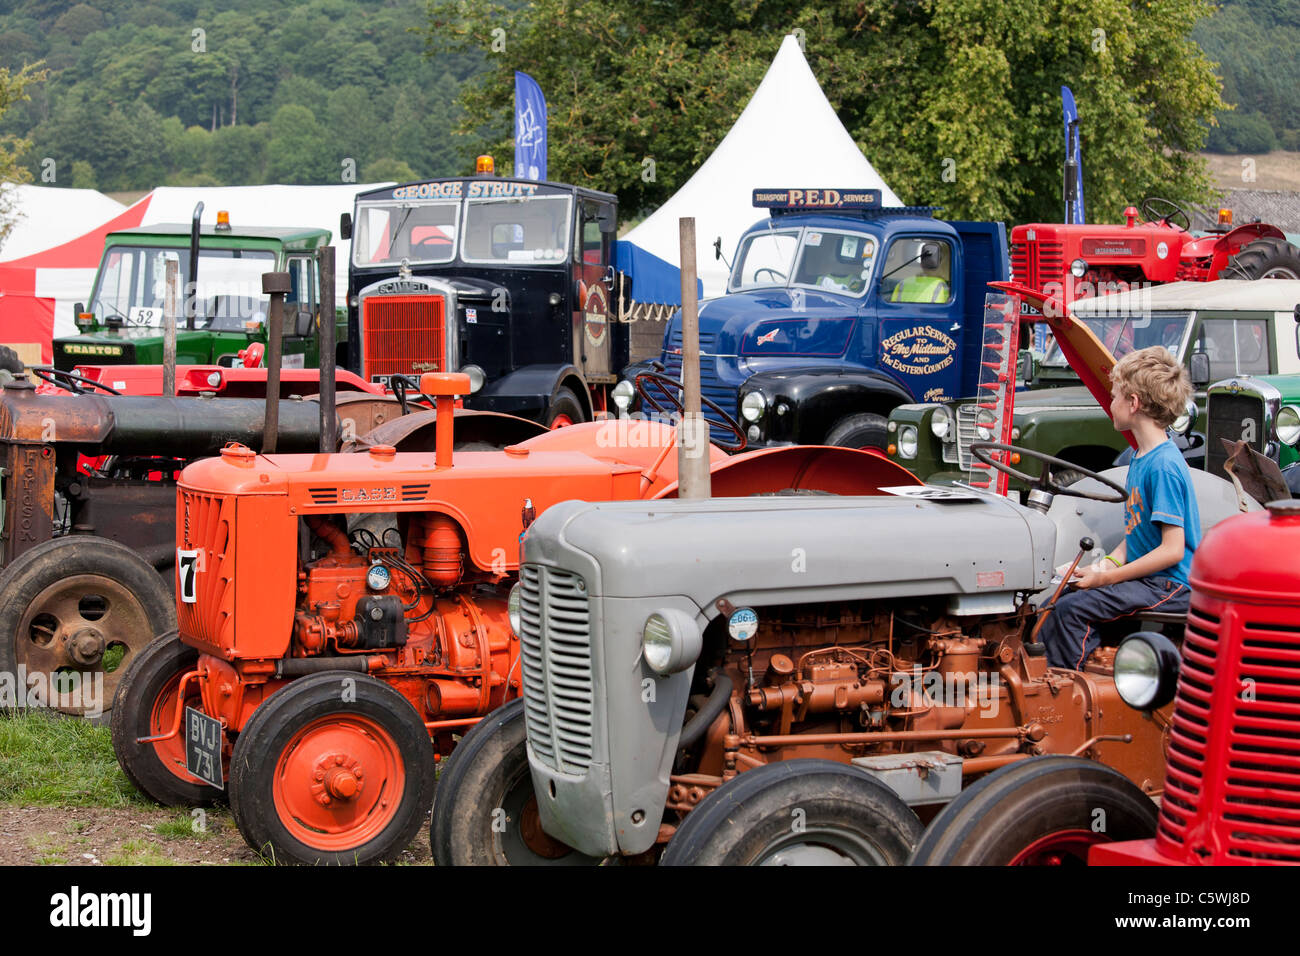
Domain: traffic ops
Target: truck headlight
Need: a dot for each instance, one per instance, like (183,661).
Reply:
(622,394)
(752,406)
(512,609)
(985,423)
(907,441)
(1146,670)
(1288,425)
(671,641)
(941,423)
(476,377)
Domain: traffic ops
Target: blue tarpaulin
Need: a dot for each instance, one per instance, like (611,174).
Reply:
(653,279)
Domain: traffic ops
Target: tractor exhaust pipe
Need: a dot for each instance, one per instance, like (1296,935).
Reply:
(693,430)
(277,286)
(329,438)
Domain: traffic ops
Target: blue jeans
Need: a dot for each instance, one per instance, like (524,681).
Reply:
(1070,631)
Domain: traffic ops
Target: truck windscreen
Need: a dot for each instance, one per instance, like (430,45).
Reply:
(393,231)
(133,285)
(1122,334)
(530,230)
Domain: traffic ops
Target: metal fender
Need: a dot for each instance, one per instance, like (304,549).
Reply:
(837,471)
(415,432)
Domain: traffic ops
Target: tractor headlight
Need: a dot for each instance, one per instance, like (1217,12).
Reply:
(1079,268)
(622,394)
(1288,425)
(907,441)
(512,609)
(985,423)
(752,406)
(1146,670)
(941,423)
(671,641)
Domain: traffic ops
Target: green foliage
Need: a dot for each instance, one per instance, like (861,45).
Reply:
(966,87)
(136,97)
(1242,133)
(13,90)
(382,170)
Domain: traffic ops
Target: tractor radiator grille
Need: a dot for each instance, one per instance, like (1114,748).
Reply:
(1233,778)
(404,334)
(965,435)
(1038,262)
(1231,417)
(207,524)
(556,643)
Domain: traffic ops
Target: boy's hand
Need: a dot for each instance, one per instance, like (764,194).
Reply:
(1094,576)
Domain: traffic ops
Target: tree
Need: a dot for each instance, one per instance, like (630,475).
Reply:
(300,150)
(384,169)
(13,89)
(956,102)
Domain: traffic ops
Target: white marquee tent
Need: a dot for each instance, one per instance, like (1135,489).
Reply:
(787,136)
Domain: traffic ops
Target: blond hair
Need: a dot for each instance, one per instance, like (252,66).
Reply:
(1160,383)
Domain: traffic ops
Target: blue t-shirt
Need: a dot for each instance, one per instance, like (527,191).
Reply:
(1160,492)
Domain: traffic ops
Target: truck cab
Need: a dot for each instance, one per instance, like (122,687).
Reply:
(1227,329)
(122,323)
(837,311)
(509,280)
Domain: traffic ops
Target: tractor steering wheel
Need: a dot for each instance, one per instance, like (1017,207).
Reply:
(667,387)
(1163,210)
(69,380)
(1044,481)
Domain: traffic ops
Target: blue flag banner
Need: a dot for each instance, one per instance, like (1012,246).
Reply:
(530,129)
(1073,211)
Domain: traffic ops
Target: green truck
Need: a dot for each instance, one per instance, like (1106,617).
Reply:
(1220,330)
(1262,410)
(220,306)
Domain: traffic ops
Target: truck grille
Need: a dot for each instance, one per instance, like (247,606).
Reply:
(207,524)
(965,435)
(1227,416)
(556,644)
(711,387)
(403,334)
(1233,778)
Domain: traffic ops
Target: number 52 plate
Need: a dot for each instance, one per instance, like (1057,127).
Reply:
(203,738)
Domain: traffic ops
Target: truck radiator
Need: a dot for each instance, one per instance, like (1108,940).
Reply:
(1227,417)
(1232,789)
(556,645)
(711,387)
(404,334)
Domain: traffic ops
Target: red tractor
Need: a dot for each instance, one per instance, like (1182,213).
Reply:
(1079,261)
(339,612)
(1232,773)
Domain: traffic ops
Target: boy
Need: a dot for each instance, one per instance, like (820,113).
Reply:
(1149,389)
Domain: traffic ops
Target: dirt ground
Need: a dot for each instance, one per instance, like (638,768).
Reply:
(150,836)
(1276,170)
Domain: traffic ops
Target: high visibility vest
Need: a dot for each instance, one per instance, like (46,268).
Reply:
(930,289)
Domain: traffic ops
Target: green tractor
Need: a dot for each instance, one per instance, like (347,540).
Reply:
(219,304)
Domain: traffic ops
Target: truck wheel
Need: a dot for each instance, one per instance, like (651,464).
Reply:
(10,362)
(77,609)
(335,768)
(145,706)
(797,813)
(485,813)
(565,409)
(863,430)
(1042,811)
(1269,258)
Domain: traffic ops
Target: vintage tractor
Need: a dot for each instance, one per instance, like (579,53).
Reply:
(1232,774)
(342,617)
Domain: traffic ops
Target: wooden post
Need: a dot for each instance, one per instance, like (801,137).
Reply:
(693,431)
(169,330)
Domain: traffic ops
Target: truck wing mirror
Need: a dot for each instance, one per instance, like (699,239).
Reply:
(605,220)
(1200,369)
(304,323)
(345,225)
(930,255)
(1027,366)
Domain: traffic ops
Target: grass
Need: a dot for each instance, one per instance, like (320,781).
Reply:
(138,853)
(46,760)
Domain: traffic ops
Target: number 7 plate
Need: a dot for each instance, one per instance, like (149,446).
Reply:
(203,738)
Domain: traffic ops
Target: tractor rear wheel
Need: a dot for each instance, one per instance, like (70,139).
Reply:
(145,706)
(565,409)
(76,610)
(864,430)
(1268,258)
(485,813)
(797,813)
(335,768)
(1042,811)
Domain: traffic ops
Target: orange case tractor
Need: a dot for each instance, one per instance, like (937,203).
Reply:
(338,611)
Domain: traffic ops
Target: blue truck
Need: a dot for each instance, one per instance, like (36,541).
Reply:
(838,310)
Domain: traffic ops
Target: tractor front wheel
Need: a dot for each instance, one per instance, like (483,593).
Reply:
(485,813)
(145,706)
(1268,258)
(1041,811)
(335,768)
(797,813)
